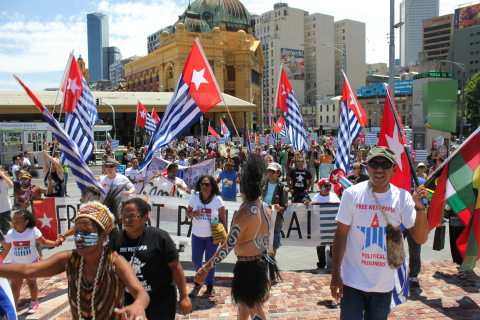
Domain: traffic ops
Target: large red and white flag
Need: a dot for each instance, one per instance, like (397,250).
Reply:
(196,93)
(390,137)
(45,213)
(141,115)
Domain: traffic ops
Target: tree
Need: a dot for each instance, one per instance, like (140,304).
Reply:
(472,97)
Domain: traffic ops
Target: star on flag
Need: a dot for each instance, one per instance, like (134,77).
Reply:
(198,78)
(45,221)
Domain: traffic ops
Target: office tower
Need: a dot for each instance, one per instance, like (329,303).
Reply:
(412,13)
(97,33)
(110,56)
(436,37)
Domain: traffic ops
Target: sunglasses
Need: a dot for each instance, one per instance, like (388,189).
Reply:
(205,184)
(327,185)
(272,171)
(356,168)
(110,167)
(130,216)
(375,164)
(299,160)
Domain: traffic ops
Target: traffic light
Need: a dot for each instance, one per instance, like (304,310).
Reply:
(98,101)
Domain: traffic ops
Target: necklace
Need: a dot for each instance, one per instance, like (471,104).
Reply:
(79,284)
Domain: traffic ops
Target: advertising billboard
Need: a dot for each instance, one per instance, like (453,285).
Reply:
(293,62)
(401,87)
(440,105)
(467,16)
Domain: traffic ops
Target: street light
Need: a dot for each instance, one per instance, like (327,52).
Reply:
(464,103)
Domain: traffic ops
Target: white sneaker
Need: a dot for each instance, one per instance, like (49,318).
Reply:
(33,307)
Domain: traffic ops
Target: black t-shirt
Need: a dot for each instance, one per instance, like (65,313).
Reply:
(153,253)
(299,182)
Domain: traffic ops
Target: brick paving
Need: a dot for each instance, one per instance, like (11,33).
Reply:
(305,295)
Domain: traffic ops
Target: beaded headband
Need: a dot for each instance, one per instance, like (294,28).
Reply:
(24,174)
(97,212)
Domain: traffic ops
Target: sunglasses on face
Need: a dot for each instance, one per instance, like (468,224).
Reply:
(356,168)
(109,167)
(384,165)
(205,184)
(299,160)
(272,171)
(130,216)
(327,185)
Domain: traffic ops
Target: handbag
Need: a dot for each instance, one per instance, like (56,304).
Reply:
(218,231)
(395,250)
(439,238)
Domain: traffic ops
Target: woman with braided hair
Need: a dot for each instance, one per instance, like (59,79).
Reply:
(255,270)
(97,276)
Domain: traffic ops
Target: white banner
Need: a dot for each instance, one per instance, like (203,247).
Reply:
(304,225)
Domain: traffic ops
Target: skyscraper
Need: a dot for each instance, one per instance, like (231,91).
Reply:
(110,56)
(412,13)
(97,33)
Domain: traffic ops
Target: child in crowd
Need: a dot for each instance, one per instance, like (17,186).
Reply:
(23,237)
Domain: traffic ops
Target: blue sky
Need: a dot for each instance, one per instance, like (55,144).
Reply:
(36,37)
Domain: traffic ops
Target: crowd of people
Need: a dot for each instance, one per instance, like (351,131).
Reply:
(137,270)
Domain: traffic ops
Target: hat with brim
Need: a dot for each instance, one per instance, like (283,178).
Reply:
(381,152)
(111,161)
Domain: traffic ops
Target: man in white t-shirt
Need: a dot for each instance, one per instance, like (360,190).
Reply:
(136,177)
(112,179)
(366,280)
(17,162)
(25,159)
(182,161)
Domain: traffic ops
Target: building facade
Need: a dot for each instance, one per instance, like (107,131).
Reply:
(436,36)
(83,69)
(110,56)
(412,13)
(117,73)
(98,38)
(153,40)
(235,55)
(350,37)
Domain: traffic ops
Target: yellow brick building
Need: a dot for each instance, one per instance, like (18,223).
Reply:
(235,55)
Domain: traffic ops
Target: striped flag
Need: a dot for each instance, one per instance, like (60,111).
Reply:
(272,132)
(82,174)
(144,120)
(80,111)
(352,121)
(247,141)
(197,92)
(7,303)
(286,101)
(155,117)
(224,129)
(281,127)
(438,142)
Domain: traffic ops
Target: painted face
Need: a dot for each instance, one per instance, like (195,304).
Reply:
(86,239)
(25,182)
(85,235)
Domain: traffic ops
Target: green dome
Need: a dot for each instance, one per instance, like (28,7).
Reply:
(192,22)
(232,13)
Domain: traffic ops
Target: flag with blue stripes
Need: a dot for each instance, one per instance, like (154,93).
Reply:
(150,124)
(8,311)
(80,111)
(224,129)
(272,125)
(352,121)
(287,102)
(328,225)
(80,171)
(196,92)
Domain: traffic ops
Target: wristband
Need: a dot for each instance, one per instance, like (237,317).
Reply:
(421,210)
(204,269)
(62,237)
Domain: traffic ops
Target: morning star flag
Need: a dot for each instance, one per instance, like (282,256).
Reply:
(458,186)
(197,92)
(144,120)
(273,134)
(281,127)
(8,311)
(224,129)
(80,111)
(352,121)
(82,174)
(390,138)
(286,101)
(155,117)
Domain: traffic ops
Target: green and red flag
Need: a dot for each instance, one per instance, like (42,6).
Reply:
(456,183)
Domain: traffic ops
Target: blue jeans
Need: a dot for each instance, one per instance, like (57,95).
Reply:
(64,185)
(355,303)
(277,235)
(201,245)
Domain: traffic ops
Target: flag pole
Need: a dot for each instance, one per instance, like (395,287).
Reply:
(231,119)
(404,140)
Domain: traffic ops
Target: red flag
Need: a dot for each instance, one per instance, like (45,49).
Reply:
(46,217)
(390,138)
(279,125)
(284,89)
(155,117)
(72,87)
(141,115)
(213,132)
(198,75)
(257,139)
(350,99)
